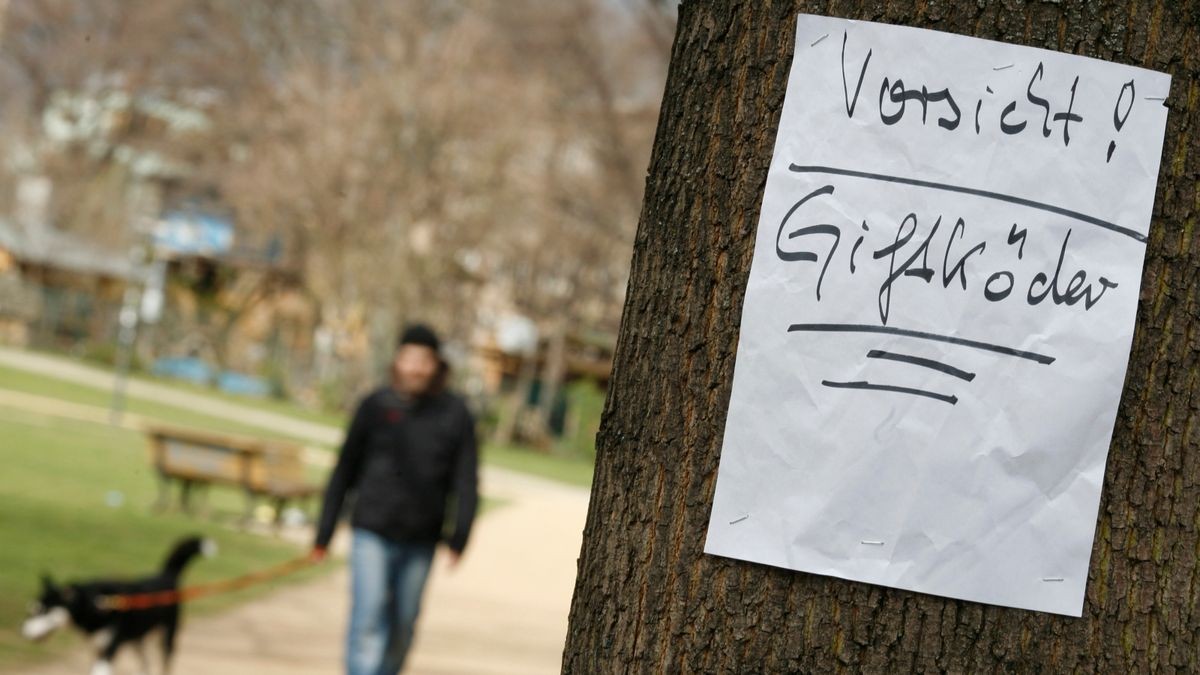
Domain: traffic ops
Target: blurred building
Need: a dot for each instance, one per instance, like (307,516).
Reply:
(202,288)
(58,290)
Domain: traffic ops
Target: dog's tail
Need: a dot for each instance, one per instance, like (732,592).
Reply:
(185,551)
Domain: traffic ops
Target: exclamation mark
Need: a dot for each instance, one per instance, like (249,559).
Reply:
(1118,117)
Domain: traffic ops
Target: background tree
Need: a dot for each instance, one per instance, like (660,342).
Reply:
(648,600)
(407,154)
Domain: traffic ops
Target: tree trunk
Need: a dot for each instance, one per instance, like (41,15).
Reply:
(553,373)
(513,406)
(648,600)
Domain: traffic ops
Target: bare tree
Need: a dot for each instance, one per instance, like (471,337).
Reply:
(410,154)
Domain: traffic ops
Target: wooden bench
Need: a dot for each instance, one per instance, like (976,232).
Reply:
(261,468)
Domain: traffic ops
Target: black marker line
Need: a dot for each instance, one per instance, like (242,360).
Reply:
(1021,201)
(952,400)
(923,362)
(888,330)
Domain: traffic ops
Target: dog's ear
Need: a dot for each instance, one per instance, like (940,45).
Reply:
(48,583)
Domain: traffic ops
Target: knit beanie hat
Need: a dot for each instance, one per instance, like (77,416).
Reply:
(420,334)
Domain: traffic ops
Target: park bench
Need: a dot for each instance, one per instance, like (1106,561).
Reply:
(261,468)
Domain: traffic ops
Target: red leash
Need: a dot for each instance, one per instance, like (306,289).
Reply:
(136,601)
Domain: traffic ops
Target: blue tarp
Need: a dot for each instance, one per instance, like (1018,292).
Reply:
(245,385)
(196,371)
(184,368)
(194,233)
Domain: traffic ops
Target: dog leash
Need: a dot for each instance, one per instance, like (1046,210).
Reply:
(152,599)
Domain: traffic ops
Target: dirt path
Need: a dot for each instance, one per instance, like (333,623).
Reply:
(504,610)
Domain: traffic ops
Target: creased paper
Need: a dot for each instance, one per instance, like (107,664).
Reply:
(939,312)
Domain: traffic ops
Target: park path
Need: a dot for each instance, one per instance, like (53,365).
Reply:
(503,610)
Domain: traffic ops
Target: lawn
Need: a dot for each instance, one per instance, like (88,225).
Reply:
(569,469)
(63,390)
(75,502)
(272,405)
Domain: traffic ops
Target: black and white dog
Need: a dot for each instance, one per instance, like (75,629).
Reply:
(77,603)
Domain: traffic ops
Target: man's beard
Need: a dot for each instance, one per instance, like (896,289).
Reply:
(416,390)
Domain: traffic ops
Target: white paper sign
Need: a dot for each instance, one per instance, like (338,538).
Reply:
(939,313)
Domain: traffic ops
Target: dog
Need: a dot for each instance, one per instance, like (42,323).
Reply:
(109,629)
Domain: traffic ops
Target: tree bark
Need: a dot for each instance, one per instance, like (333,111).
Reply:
(648,600)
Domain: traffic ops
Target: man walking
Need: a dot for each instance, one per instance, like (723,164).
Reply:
(409,452)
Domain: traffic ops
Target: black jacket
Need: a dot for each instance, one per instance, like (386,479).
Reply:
(403,460)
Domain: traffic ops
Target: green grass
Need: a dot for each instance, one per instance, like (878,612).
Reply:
(572,470)
(569,468)
(63,390)
(54,485)
(102,356)
(271,405)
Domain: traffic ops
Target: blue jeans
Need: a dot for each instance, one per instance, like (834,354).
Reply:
(386,582)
